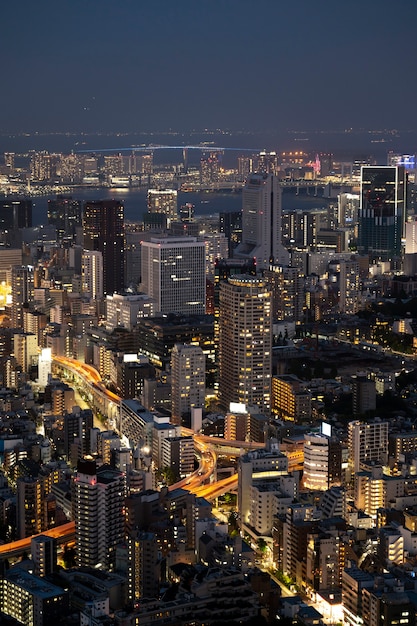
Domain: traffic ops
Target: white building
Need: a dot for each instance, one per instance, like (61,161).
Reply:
(92,273)
(367,442)
(164,201)
(245,342)
(174,274)
(125,310)
(188,380)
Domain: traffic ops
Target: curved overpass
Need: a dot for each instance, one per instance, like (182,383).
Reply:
(108,404)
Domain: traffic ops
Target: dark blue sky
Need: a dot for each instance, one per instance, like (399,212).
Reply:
(136,65)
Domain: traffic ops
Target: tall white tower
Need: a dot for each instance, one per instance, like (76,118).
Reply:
(92,272)
(245,342)
(174,274)
(188,379)
(261,221)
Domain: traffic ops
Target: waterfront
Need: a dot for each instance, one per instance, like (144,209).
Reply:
(212,203)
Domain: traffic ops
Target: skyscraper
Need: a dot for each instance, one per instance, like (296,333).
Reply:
(22,291)
(98,512)
(245,342)
(382,211)
(188,378)
(92,273)
(164,201)
(174,274)
(261,221)
(65,214)
(103,226)
(15,214)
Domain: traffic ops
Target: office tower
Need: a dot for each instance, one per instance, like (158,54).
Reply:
(217,247)
(231,225)
(382,212)
(103,225)
(174,274)
(15,214)
(43,550)
(267,163)
(124,310)
(245,342)
(245,166)
(322,461)
(347,209)
(164,201)
(92,273)
(157,336)
(65,214)
(367,442)
(98,503)
(188,379)
(261,221)
(22,292)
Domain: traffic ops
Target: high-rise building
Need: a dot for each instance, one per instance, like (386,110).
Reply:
(65,214)
(245,342)
(92,273)
(164,201)
(103,226)
(188,379)
(230,224)
(382,211)
(210,168)
(98,502)
(22,292)
(15,214)
(367,442)
(174,274)
(322,461)
(261,221)
(44,554)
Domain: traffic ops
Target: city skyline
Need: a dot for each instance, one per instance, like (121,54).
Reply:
(143,66)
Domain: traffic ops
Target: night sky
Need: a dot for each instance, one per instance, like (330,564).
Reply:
(140,65)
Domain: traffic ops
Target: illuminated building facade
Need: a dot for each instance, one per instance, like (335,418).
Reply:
(103,226)
(382,211)
(245,342)
(92,273)
(188,379)
(174,274)
(22,292)
(322,462)
(65,214)
(367,442)
(261,221)
(98,501)
(289,400)
(164,201)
